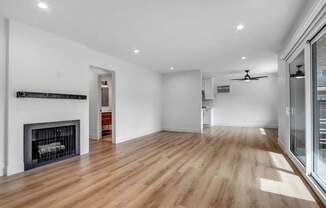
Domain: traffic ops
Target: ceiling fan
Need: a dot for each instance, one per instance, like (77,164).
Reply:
(248,78)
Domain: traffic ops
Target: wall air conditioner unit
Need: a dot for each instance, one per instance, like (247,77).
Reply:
(223,89)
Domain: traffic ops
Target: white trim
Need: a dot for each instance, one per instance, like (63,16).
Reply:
(308,108)
(83,153)
(282,145)
(2,171)
(296,162)
(183,130)
(296,53)
(242,126)
(6,116)
(318,35)
(113,103)
(13,169)
(303,31)
(128,139)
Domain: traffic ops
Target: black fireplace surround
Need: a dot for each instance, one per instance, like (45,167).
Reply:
(46,143)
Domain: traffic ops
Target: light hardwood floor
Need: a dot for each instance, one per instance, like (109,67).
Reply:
(224,167)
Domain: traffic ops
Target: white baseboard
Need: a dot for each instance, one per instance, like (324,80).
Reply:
(13,169)
(2,171)
(95,138)
(282,145)
(119,141)
(183,130)
(247,126)
(84,152)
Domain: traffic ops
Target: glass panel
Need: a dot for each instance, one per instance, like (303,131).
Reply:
(319,96)
(297,104)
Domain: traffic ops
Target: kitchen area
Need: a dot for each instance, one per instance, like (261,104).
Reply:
(208,96)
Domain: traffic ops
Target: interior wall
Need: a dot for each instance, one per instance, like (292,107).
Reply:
(283,104)
(2,92)
(39,61)
(249,104)
(182,101)
(94,105)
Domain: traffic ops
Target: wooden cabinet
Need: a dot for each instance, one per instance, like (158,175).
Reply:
(106,124)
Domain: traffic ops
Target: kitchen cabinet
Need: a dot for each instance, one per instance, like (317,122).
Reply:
(209,88)
(106,124)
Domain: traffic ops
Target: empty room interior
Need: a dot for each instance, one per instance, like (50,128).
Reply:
(185,103)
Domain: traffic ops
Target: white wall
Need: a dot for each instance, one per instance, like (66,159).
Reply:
(284,93)
(252,104)
(43,63)
(94,105)
(2,93)
(39,61)
(182,101)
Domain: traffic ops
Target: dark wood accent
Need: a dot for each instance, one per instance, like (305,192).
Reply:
(23,94)
(106,124)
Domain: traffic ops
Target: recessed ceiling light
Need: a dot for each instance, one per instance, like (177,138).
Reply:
(136,51)
(240,27)
(42,5)
(171,68)
(243,58)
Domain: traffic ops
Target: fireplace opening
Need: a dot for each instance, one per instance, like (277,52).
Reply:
(49,142)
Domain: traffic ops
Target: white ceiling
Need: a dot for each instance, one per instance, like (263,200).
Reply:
(186,34)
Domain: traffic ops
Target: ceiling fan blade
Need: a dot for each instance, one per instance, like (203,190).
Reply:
(238,79)
(259,77)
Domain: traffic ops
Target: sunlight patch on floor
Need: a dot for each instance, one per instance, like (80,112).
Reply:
(262,131)
(278,160)
(298,190)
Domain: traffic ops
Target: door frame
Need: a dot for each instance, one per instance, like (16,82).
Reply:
(113,102)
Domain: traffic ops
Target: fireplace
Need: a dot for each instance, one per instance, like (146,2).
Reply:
(46,143)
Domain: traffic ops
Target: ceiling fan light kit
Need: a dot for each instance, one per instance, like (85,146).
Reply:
(299,74)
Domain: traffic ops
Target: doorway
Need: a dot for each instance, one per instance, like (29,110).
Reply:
(101,105)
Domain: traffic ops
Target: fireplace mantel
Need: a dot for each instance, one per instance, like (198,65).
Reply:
(23,94)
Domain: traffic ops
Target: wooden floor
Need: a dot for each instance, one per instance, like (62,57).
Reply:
(224,167)
(107,139)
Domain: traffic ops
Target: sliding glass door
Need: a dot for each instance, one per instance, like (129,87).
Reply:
(319,110)
(297,109)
